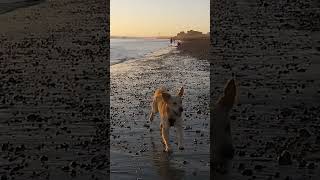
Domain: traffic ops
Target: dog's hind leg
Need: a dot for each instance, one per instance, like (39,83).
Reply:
(165,138)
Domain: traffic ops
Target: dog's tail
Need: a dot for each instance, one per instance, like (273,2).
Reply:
(230,93)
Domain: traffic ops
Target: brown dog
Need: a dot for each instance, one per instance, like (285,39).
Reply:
(221,125)
(170,110)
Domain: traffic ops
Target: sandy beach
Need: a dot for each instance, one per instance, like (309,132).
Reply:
(136,149)
(53,71)
(197,48)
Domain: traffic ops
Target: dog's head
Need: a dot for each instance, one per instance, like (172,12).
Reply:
(174,102)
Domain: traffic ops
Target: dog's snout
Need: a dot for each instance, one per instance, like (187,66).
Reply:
(180,109)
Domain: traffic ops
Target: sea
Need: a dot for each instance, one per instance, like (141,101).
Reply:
(124,49)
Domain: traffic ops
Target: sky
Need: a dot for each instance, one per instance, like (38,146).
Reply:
(149,18)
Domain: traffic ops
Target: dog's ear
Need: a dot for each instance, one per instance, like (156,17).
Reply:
(230,92)
(230,88)
(181,92)
(166,97)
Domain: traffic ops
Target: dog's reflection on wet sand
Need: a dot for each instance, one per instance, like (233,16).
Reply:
(221,171)
(165,168)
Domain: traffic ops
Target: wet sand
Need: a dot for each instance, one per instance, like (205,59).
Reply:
(53,75)
(136,149)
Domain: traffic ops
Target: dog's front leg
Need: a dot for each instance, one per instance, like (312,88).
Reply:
(180,136)
(165,138)
(153,110)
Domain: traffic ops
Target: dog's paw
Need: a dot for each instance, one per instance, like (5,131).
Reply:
(168,150)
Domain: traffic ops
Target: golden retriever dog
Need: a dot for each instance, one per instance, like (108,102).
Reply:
(170,110)
(221,125)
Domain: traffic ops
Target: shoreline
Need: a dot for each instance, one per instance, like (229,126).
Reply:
(195,48)
(152,54)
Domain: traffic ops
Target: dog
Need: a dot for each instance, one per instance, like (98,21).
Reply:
(170,110)
(221,126)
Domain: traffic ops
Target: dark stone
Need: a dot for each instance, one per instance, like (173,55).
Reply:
(4,177)
(241,166)
(258,167)
(304,133)
(311,166)
(73,164)
(247,172)
(285,158)
(43,158)
(185,162)
(302,163)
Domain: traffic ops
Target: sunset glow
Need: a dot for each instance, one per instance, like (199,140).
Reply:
(149,18)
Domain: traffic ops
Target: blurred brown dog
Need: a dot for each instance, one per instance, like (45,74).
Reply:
(221,125)
(170,110)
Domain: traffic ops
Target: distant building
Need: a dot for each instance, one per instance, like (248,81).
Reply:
(189,35)
(194,33)
(182,33)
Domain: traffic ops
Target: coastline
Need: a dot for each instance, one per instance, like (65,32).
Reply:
(197,48)
(151,55)
(127,49)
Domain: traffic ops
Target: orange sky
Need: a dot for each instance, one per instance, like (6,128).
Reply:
(148,18)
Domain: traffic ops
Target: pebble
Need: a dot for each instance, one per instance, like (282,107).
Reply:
(285,158)
(73,164)
(4,177)
(304,133)
(185,162)
(73,173)
(247,172)
(302,163)
(258,167)
(311,166)
(241,166)
(43,158)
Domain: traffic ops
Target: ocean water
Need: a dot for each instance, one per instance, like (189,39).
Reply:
(10,5)
(127,49)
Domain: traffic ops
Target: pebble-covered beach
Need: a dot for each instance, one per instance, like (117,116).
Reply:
(136,148)
(53,71)
(272,47)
